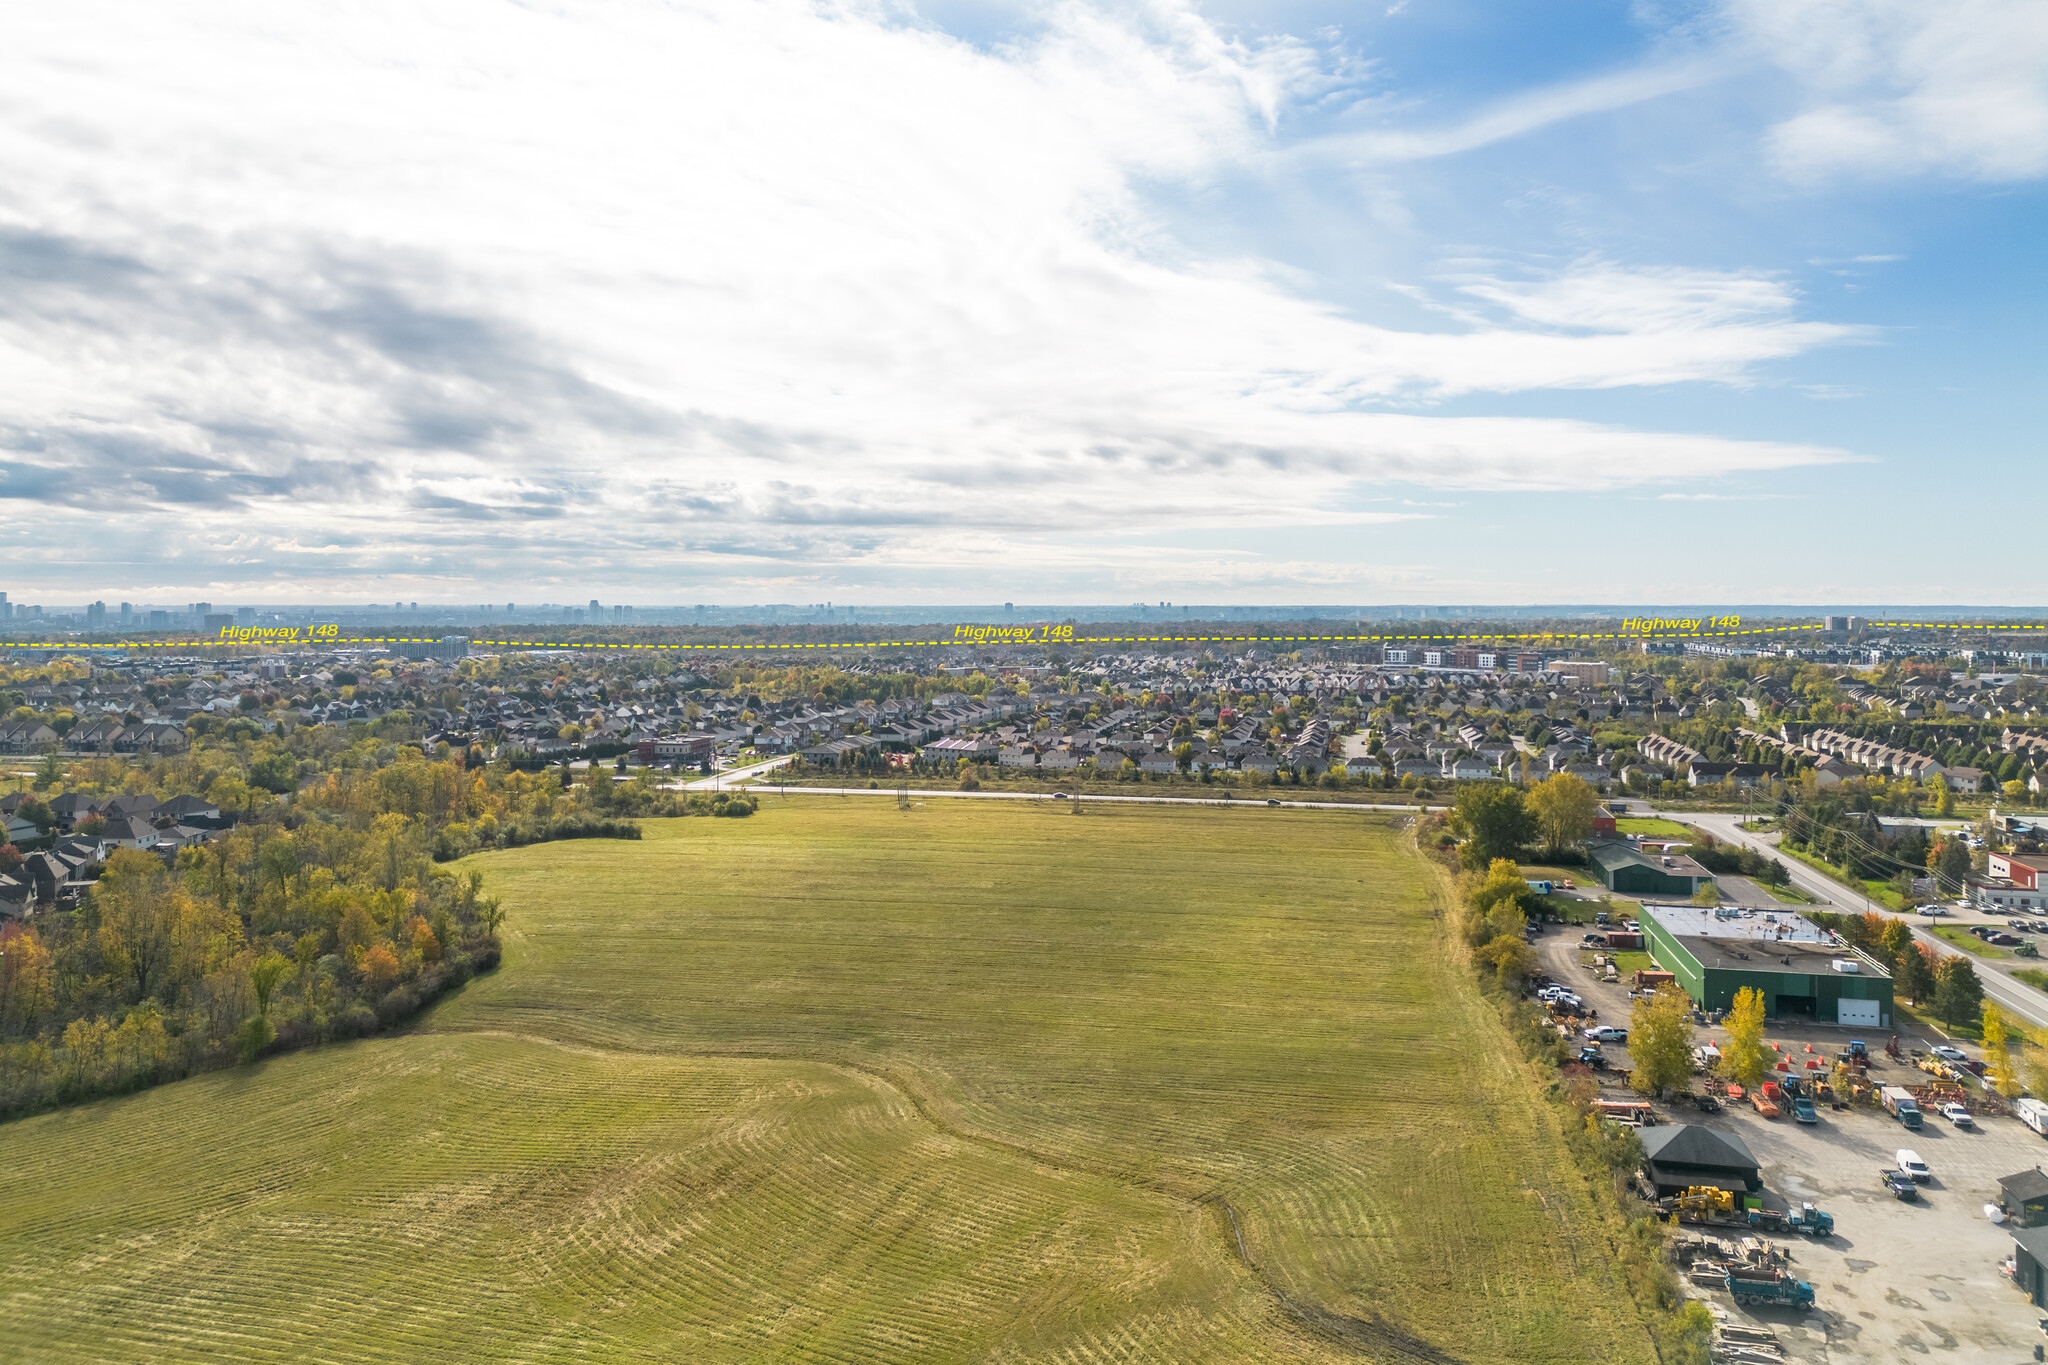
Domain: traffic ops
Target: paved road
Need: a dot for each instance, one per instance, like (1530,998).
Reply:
(1090,798)
(730,776)
(2013,996)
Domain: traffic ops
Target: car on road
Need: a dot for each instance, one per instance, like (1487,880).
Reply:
(1959,1116)
(1910,1164)
(1607,1033)
(1271,801)
(1949,1052)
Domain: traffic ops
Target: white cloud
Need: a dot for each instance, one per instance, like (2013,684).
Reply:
(1902,87)
(481,291)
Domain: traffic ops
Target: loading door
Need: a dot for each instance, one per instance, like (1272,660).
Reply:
(1856,1013)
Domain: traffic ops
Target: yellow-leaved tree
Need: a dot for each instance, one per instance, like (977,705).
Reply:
(1746,1058)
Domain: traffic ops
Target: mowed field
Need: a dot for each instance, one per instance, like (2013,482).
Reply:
(968,1082)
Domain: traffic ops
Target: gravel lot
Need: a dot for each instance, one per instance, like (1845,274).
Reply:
(1899,1280)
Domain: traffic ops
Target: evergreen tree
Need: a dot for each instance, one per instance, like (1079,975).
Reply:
(1958,994)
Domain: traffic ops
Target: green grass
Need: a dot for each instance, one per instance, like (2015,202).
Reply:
(846,1083)
(2033,976)
(1968,942)
(1882,897)
(1655,829)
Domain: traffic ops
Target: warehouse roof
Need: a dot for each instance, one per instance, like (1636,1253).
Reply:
(1798,959)
(1612,853)
(1717,922)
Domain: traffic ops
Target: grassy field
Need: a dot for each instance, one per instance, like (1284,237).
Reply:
(1655,829)
(2033,976)
(1968,942)
(847,1083)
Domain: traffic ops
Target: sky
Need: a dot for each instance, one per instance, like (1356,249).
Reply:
(1295,302)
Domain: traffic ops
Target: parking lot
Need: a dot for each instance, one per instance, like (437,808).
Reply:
(1899,1279)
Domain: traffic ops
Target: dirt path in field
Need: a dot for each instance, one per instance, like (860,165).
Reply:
(1374,1337)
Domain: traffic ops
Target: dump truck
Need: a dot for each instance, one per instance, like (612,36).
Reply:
(1804,1219)
(1751,1287)
(1900,1104)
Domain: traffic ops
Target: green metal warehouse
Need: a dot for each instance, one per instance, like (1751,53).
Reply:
(1628,871)
(1803,972)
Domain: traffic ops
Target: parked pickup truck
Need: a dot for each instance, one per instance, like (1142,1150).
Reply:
(1899,1183)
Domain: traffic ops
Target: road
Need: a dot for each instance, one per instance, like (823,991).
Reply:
(730,776)
(1241,803)
(2012,996)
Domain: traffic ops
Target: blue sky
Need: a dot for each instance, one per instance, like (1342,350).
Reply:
(734,302)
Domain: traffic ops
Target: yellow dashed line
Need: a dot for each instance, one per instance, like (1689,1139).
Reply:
(1078,640)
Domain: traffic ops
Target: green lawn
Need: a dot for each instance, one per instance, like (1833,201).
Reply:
(1968,942)
(2033,976)
(845,1083)
(1655,829)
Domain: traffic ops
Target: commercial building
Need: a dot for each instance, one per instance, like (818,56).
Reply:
(1803,972)
(1627,870)
(447,647)
(1589,672)
(2012,882)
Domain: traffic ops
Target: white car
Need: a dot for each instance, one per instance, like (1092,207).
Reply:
(1959,1116)
(1908,1160)
(1949,1052)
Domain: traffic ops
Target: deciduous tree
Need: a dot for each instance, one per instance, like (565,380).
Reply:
(1494,822)
(1660,1042)
(2005,1076)
(1564,808)
(1746,1059)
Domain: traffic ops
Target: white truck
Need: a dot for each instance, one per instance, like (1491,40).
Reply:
(2033,1113)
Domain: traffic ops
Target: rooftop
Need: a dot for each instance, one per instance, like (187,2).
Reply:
(1727,922)
(1788,958)
(1614,853)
